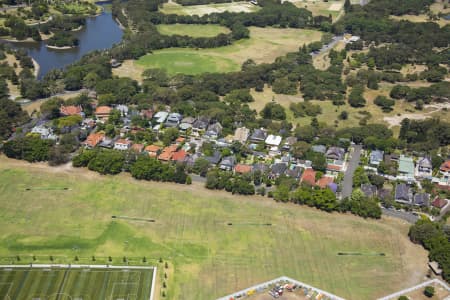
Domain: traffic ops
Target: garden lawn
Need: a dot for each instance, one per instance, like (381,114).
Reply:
(193,30)
(207,258)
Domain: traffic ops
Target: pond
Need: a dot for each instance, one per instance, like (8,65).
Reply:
(100,32)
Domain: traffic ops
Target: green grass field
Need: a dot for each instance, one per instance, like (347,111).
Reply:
(207,258)
(194,30)
(187,61)
(84,283)
(264,45)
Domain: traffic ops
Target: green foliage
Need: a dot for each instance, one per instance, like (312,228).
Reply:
(107,162)
(63,39)
(360,205)
(360,177)
(385,103)
(30,148)
(429,291)
(422,135)
(306,108)
(356,98)
(273,111)
(284,86)
(11,114)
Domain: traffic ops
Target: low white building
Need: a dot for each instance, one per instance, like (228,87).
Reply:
(273,140)
(122,144)
(161,116)
(44,132)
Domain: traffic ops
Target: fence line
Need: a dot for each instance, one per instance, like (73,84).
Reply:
(416,287)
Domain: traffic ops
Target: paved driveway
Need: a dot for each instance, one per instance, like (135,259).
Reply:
(347,184)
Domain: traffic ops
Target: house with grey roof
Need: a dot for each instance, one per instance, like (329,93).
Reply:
(263,168)
(277,170)
(199,126)
(241,135)
(173,120)
(403,193)
(258,135)
(214,159)
(294,172)
(319,149)
(213,131)
(424,167)
(228,163)
(369,190)
(335,153)
(376,157)
(421,199)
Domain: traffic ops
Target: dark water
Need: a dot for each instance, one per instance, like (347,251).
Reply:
(100,32)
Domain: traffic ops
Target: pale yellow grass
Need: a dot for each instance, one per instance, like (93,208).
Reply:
(129,69)
(200,10)
(322,61)
(420,18)
(35,106)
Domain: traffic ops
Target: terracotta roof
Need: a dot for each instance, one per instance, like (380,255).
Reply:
(439,202)
(152,148)
(166,155)
(334,167)
(324,182)
(70,110)
(241,168)
(445,167)
(94,139)
(180,140)
(137,147)
(309,176)
(179,155)
(103,110)
(123,141)
(171,148)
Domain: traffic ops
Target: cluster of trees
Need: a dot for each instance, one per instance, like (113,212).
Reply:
(200,2)
(17,28)
(425,135)
(11,114)
(306,108)
(436,92)
(239,184)
(435,238)
(30,148)
(63,39)
(103,161)
(148,168)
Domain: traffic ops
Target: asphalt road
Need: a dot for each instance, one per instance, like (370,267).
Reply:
(347,184)
(407,216)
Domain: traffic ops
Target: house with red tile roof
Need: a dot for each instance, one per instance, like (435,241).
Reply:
(138,148)
(167,153)
(152,150)
(93,140)
(324,181)
(180,140)
(445,169)
(70,110)
(439,202)
(179,156)
(103,112)
(309,177)
(242,169)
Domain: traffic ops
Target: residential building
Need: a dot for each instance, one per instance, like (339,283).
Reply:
(123,109)
(241,135)
(288,143)
(214,159)
(369,190)
(102,112)
(319,149)
(439,203)
(261,167)
(445,169)
(152,150)
(376,157)
(324,182)
(173,120)
(277,170)
(147,114)
(335,153)
(242,169)
(71,110)
(273,140)
(309,177)
(44,132)
(424,167)
(93,140)
(138,148)
(406,167)
(258,135)
(421,199)
(199,126)
(294,172)
(186,124)
(213,131)
(107,143)
(227,163)
(179,156)
(403,193)
(122,144)
(161,116)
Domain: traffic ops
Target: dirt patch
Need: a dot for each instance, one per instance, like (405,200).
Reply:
(129,69)
(433,108)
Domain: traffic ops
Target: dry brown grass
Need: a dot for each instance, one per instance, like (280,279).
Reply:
(129,69)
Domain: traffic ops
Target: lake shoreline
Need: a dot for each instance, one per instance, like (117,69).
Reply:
(60,48)
(37,67)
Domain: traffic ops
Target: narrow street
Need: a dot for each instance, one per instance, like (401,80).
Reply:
(347,184)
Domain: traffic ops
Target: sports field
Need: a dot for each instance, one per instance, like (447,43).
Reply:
(194,30)
(56,283)
(207,257)
(263,46)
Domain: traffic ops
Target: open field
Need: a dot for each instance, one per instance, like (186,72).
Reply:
(263,46)
(187,61)
(194,30)
(200,10)
(208,258)
(420,18)
(58,283)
